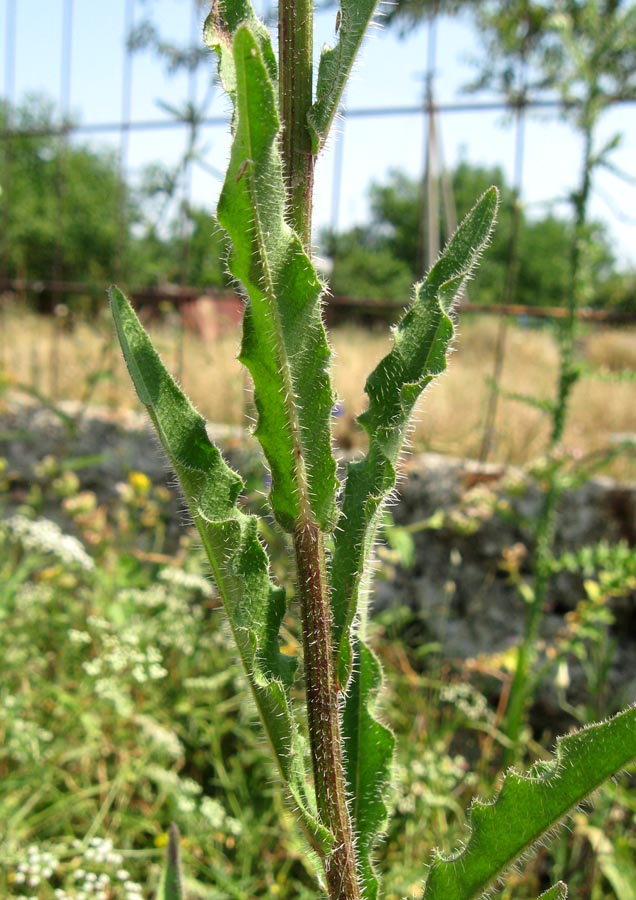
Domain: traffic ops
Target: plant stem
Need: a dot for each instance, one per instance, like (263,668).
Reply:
(568,376)
(295,42)
(519,691)
(323,711)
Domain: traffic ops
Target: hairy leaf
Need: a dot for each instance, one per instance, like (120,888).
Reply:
(421,342)
(171,882)
(254,605)
(529,805)
(352,20)
(284,342)
(557,892)
(220,26)
(369,761)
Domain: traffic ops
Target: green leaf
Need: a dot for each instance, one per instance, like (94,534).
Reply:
(421,342)
(352,20)
(171,882)
(284,342)
(557,892)
(529,805)
(254,605)
(220,26)
(368,763)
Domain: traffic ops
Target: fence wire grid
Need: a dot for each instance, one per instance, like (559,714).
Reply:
(194,117)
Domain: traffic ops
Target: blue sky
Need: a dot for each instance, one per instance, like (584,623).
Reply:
(389,73)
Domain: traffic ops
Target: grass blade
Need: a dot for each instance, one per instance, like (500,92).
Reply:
(616,862)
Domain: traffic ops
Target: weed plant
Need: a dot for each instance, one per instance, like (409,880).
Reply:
(339,781)
(582,54)
(138,674)
(129,711)
(111,719)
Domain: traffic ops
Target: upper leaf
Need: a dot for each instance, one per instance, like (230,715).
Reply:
(218,31)
(335,65)
(284,343)
(421,342)
(529,805)
(418,355)
(254,605)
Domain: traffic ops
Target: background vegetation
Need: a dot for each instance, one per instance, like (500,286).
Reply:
(126,711)
(97,226)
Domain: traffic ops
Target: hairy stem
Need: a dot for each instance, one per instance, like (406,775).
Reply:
(295,39)
(295,42)
(323,711)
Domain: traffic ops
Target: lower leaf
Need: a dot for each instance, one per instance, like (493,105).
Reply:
(369,761)
(529,805)
(254,605)
(171,882)
(557,892)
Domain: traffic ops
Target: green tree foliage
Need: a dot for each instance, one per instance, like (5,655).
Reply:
(565,46)
(62,205)
(579,51)
(618,293)
(409,14)
(68,215)
(190,250)
(377,260)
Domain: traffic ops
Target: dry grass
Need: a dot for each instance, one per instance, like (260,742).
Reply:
(611,349)
(86,364)
(450,417)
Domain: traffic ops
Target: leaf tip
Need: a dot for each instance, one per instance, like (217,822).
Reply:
(171,884)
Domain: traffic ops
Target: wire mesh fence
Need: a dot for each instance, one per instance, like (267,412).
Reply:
(45,355)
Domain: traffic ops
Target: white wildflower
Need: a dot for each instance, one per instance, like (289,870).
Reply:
(189,581)
(167,740)
(93,667)
(44,536)
(76,636)
(190,786)
(150,597)
(156,672)
(186,805)
(213,811)
(38,865)
(233,826)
